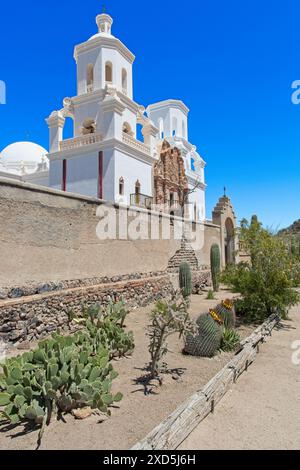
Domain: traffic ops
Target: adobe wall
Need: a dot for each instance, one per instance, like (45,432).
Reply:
(47,235)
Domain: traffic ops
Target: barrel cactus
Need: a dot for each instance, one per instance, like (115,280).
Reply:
(185,279)
(208,340)
(215,264)
(226,311)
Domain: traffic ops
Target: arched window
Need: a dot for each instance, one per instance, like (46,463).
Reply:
(127,129)
(174,127)
(138,188)
(137,192)
(183,130)
(108,72)
(121,186)
(124,81)
(161,128)
(90,77)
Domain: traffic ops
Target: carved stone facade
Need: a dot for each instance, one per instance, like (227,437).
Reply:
(170,181)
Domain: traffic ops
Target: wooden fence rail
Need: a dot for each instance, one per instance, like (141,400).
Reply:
(178,426)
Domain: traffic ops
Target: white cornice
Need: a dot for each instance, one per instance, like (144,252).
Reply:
(112,104)
(96,95)
(108,42)
(128,102)
(169,104)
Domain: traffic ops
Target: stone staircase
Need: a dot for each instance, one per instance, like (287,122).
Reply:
(186,254)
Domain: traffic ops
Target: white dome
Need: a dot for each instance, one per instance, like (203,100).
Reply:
(24,158)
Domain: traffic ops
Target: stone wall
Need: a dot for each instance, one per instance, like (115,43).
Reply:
(35,317)
(52,261)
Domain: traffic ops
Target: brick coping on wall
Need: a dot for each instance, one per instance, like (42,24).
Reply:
(91,200)
(82,289)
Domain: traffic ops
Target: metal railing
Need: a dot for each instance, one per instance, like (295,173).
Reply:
(141,200)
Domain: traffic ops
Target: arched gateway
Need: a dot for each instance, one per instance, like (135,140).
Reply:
(224,216)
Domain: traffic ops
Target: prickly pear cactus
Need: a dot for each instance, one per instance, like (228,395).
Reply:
(208,340)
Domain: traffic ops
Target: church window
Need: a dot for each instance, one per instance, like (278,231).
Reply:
(90,77)
(174,131)
(137,192)
(108,72)
(127,128)
(121,186)
(183,130)
(193,168)
(195,212)
(124,81)
(161,128)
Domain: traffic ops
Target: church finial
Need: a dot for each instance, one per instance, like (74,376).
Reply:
(225,190)
(104,22)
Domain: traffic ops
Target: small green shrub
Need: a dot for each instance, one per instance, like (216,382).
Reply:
(267,283)
(210,295)
(230,340)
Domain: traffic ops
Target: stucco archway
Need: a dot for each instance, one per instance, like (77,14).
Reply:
(229,242)
(224,217)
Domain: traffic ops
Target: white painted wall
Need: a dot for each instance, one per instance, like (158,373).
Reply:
(131,170)
(82,175)
(198,197)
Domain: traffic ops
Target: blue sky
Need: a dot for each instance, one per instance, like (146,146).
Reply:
(231,62)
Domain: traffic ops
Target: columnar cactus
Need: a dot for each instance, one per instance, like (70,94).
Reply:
(185,279)
(208,340)
(215,264)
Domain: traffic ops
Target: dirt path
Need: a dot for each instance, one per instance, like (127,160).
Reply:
(263,410)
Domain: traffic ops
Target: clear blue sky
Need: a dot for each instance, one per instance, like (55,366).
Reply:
(231,62)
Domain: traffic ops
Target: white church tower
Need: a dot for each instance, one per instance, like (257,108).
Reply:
(103,159)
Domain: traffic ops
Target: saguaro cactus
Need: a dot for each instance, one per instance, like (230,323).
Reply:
(215,264)
(185,279)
